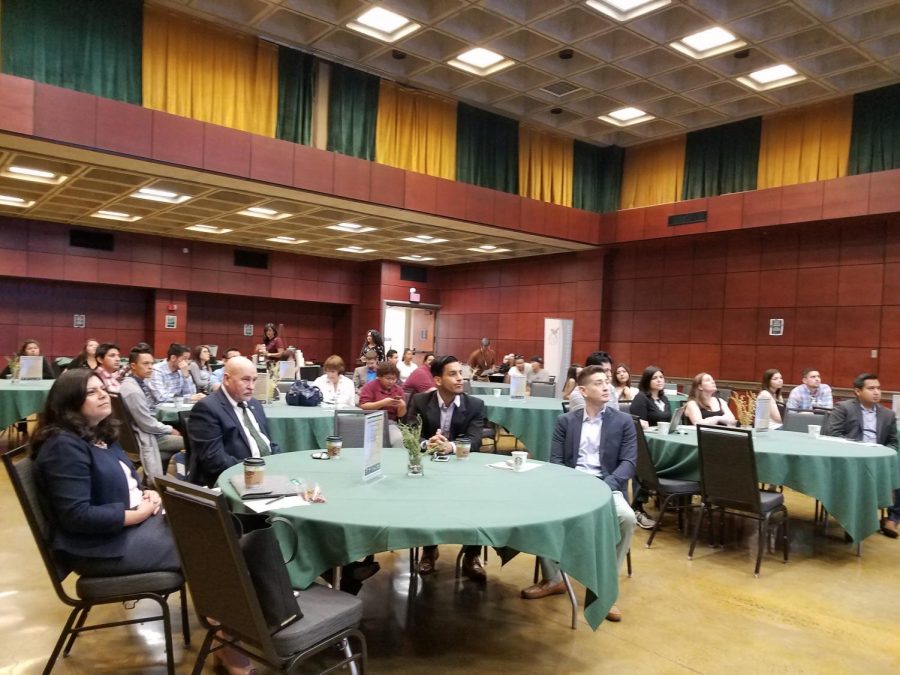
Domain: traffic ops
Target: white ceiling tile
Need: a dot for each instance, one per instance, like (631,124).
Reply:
(293,27)
(522,78)
(333,11)
(475,25)
(594,105)
(883,47)
(670,23)
(240,11)
(421,11)
(727,10)
(521,105)
(802,92)
(703,117)
(523,44)
(573,24)
(870,24)
(638,92)
(833,9)
(386,62)
(830,62)
(615,44)
(433,44)
(559,119)
(805,42)
(861,79)
(670,106)
(348,45)
(603,78)
(716,93)
(524,11)
(552,63)
(655,61)
(731,66)
(484,92)
(777,21)
(443,78)
(690,77)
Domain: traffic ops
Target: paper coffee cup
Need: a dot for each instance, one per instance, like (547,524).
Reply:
(497,392)
(814,430)
(519,458)
(662,427)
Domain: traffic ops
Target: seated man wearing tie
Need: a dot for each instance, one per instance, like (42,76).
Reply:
(229,425)
(866,420)
(601,441)
(448,413)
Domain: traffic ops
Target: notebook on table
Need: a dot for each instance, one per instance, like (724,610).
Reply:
(272,486)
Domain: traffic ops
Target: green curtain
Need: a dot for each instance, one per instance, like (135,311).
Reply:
(597,179)
(487,149)
(352,112)
(296,84)
(93,46)
(722,159)
(875,138)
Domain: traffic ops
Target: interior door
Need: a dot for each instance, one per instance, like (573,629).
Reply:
(421,330)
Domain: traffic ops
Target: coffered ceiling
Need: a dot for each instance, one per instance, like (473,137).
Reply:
(838,46)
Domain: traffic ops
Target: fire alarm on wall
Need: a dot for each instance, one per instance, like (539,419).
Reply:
(171,308)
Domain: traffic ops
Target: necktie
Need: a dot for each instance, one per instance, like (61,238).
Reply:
(261,444)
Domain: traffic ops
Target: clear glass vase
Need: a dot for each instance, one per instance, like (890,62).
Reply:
(414,467)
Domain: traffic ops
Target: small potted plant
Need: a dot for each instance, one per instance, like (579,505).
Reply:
(412,441)
(745,408)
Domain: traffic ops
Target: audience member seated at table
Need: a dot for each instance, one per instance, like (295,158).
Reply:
(622,384)
(336,389)
(601,441)
(158,441)
(31,348)
(374,343)
(215,378)
(519,369)
(421,379)
(383,393)
(483,360)
(571,380)
(406,366)
(229,425)
(865,419)
(88,356)
(448,413)
(392,357)
(272,347)
(704,407)
(103,523)
(770,398)
(200,367)
(811,394)
(537,373)
(109,367)
(366,373)
(171,379)
(650,403)
(604,360)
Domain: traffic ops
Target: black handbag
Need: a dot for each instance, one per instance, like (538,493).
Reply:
(303,393)
(262,553)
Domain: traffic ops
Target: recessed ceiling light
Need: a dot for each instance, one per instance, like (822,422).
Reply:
(355,249)
(18,202)
(625,117)
(480,61)
(424,239)
(210,229)
(488,248)
(356,228)
(383,25)
(415,258)
(264,213)
(115,215)
(155,195)
(33,175)
(287,240)
(771,77)
(624,10)
(710,42)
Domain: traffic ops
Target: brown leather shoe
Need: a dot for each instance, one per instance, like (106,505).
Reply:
(426,562)
(614,614)
(472,568)
(889,528)
(543,589)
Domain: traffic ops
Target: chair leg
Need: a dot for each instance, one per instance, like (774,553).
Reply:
(662,511)
(204,651)
(697,530)
(785,539)
(763,534)
(185,625)
(167,627)
(82,617)
(572,599)
(628,562)
(59,643)
(537,568)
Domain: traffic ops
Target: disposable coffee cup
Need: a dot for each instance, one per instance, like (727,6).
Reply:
(254,471)
(662,427)
(519,459)
(333,445)
(497,392)
(814,430)
(186,400)
(463,447)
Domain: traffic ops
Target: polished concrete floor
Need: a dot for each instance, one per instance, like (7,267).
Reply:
(826,611)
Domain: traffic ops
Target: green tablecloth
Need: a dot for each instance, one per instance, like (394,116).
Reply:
(676,401)
(292,427)
(852,480)
(487,388)
(21,400)
(552,511)
(531,420)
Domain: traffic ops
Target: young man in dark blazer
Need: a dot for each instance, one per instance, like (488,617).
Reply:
(865,419)
(447,413)
(601,441)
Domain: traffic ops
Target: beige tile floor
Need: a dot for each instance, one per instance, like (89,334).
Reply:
(827,611)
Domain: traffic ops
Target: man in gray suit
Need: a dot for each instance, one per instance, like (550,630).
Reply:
(601,441)
(865,419)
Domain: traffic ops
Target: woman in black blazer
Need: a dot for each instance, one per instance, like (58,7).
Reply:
(650,403)
(103,522)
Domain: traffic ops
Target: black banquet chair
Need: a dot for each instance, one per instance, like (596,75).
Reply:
(799,421)
(91,591)
(226,600)
(728,484)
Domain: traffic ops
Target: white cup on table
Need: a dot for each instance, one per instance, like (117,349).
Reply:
(519,459)
(662,427)
(814,430)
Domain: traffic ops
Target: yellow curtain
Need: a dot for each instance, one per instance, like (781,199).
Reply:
(653,173)
(415,131)
(545,166)
(195,70)
(805,145)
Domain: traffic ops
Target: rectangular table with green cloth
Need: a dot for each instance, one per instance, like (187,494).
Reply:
(487,388)
(19,400)
(292,427)
(676,401)
(552,511)
(852,480)
(530,419)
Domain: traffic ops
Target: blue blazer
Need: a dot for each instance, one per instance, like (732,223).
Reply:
(618,445)
(86,493)
(217,437)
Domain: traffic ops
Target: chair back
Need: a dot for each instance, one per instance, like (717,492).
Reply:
(350,425)
(565,406)
(799,421)
(728,468)
(184,418)
(127,438)
(625,407)
(213,564)
(20,468)
(467,386)
(646,471)
(543,389)
(724,394)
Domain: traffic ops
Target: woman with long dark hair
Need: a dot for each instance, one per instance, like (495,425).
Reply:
(650,403)
(199,367)
(31,348)
(375,342)
(88,356)
(571,380)
(273,346)
(771,397)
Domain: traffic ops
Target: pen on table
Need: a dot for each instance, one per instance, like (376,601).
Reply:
(272,501)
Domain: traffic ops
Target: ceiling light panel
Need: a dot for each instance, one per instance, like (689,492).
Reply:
(286,240)
(488,248)
(384,25)
(264,213)
(355,228)
(209,229)
(626,117)
(424,239)
(769,78)
(415,258)
(481,61)
(625,10)
(157,195)
(116,215)
(355,249)
(18,202)
(710,42)
(33,174)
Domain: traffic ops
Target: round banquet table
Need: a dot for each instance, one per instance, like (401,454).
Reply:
(530,419)
(487,388)
(852,480)
(551,511)
(21,399)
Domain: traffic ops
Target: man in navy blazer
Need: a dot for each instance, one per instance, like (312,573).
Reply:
(229,425)
(601,441)
(865,419)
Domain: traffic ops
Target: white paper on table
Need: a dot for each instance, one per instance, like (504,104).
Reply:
(372,441)
(287,370)
(31,367)
(263,505)
(528,466)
